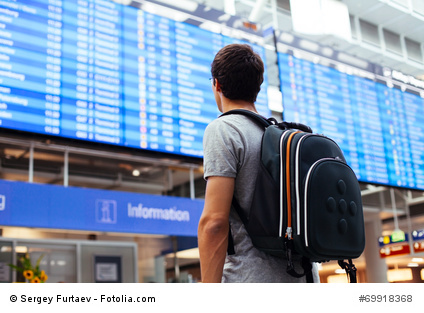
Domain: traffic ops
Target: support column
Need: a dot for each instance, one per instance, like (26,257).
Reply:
(376,267)
(66,169)
(176,265)
(192,191)
(257,11)
(230,7)
(31,164)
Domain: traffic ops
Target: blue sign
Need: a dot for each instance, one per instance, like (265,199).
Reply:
(418,235)
(377,124)
(388,240)
(103,72)
(49,206)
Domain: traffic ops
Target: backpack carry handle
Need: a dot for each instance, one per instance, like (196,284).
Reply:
(293,125)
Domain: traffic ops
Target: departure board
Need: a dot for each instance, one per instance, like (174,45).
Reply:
(379,127)
(99,71)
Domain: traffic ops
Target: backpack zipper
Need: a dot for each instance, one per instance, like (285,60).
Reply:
(281,184)
(288,186)
(297,184)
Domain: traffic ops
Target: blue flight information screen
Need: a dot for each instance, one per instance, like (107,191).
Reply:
(379,128)
(99,71)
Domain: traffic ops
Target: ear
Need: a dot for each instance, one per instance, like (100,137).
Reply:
(217,85)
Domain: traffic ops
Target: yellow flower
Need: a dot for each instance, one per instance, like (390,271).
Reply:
(28,274)
(43,276)
(35,280)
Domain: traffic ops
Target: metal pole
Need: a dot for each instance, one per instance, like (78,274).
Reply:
(31,163)
(66,169)
(176,265)
(192,191)
(392,196)
(78,253)
(170,181)
(408,216)
(274,14)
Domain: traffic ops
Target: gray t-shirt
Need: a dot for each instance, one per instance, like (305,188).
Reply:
(232,149)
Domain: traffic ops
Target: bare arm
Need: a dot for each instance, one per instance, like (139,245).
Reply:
(213,227)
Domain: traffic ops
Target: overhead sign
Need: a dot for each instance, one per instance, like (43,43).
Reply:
(395,244)
(419,246)
(398,236)
(418,235)
(393,238)
(392,250)
(50,206)
(418,238)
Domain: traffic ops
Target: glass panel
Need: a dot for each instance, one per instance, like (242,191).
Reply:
(6,258)
(89,252)
(58,261)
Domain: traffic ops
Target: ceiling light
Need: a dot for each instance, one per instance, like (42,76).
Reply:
(327,51)
(412,264)
(343,57)
(415,260)
(309,45)
(404,274)
(21,249)
(136,172)
(224,17)
(181,4)
(125,2)
(287,37)
(211,26)
(165,12)
(5,249)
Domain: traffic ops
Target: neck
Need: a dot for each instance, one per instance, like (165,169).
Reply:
(238,104)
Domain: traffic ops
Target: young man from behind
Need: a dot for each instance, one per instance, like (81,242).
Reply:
(231,160)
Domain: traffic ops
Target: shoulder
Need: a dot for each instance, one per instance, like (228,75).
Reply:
(222,131)
(232,123)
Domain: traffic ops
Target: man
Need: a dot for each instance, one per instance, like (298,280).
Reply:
(231,161)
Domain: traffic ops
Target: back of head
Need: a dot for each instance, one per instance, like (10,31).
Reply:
(239,70)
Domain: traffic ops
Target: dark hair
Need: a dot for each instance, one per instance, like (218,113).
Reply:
(239,70)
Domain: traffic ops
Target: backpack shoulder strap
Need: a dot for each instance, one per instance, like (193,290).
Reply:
(265,122)
(350,269)
(259,119)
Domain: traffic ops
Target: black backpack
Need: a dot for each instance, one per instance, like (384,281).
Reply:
(307,201)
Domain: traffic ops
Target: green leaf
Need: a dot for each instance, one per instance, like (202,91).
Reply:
(16,268)
(37,264)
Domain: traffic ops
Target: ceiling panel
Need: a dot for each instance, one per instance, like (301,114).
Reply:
(415,33)
(360,7)
(378,13)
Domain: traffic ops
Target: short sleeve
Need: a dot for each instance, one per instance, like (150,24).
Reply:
(222,149)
